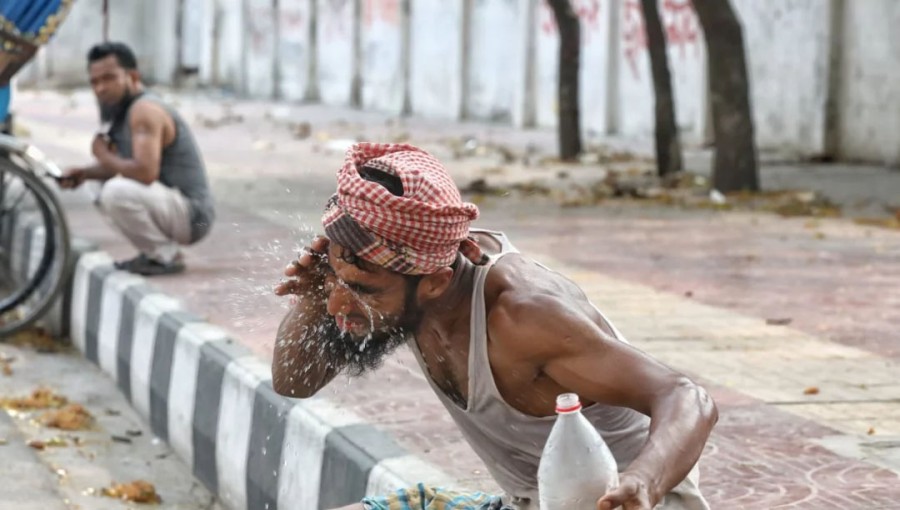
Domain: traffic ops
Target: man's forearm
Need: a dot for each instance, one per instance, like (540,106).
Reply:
(113,165)
(98,172)
(299,368)
(679,427)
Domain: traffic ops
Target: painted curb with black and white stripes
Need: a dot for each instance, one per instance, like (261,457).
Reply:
(212,400)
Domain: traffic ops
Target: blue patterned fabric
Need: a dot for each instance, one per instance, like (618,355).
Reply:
(4,102)
(33,20)
(423,497)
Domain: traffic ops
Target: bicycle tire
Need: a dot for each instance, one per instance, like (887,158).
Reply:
(57,251)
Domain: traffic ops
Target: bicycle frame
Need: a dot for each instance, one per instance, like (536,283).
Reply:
(36,160)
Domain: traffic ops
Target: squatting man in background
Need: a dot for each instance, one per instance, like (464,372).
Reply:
(154,190)
(498,336)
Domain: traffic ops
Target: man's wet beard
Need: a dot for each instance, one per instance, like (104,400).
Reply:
(359,356)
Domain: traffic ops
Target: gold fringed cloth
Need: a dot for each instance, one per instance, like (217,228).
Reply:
(24,26)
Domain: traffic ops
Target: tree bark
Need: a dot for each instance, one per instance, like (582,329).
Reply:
(569,129)
(735,166)
(668,143)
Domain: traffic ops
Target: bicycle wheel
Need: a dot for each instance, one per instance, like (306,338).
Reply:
(35,253)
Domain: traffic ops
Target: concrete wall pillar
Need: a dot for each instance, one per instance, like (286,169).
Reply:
(295,51)
(335,50)
(436,58)
(161,20)
(868,120)
(788,56)
(382,52)
(261,32)
(229,43)
(496,61)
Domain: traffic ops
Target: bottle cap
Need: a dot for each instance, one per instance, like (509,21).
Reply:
(567,403)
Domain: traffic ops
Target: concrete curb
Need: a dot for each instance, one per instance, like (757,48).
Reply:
(213,401)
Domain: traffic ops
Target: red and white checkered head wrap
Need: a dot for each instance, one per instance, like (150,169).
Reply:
(419,231)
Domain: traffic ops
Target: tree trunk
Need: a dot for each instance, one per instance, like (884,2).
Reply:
(735,166)
(567,93)
(668,144)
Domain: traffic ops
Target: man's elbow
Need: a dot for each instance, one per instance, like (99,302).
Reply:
(146,177)
(696,396)
(288,386)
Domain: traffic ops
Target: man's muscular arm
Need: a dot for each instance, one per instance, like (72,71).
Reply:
(147,122)
(299,369)
(575,353)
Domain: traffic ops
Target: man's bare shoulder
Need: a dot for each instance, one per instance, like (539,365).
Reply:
(517,277)
(522,297)
(145,110)
(525,300)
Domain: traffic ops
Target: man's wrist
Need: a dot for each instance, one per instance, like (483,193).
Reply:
(90,172)
(648,482)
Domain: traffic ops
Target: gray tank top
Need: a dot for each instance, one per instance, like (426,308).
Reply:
(181,166)
(508,441)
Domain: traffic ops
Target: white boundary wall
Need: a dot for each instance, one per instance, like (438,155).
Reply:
(825,74)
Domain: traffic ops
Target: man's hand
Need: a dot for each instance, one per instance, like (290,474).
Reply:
(101,148)
(72,178)
(299,368)
(307,273)
(633,493)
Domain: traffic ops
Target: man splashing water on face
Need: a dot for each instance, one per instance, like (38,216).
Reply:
(497,335)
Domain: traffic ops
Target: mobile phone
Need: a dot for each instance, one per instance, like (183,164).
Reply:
(58,178)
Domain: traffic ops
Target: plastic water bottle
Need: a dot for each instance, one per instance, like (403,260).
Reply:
(576,466)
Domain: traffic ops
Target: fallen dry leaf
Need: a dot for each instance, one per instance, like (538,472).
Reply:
(37,339)
(71,417)
(812,390)
(138,491)
(41,398)
(300,130)
(892,223)
(57,441)
(37,444)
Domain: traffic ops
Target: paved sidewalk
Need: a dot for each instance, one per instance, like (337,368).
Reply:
(74,467)
(693,288)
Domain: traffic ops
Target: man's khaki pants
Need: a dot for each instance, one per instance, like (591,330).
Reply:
(155,218)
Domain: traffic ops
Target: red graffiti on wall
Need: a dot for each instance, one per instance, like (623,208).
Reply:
(386,11)
(588,12)
(260,30)
(293,19)
(679,24)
